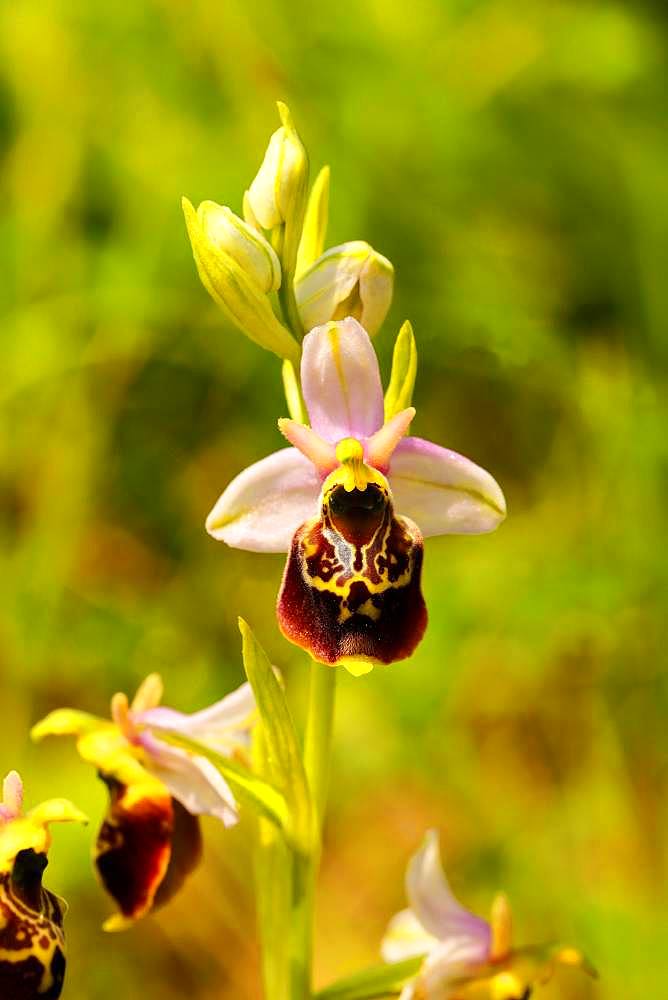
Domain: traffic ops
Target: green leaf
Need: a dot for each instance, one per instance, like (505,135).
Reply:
(248,788)
(377,981)
(404,369)
(283,751)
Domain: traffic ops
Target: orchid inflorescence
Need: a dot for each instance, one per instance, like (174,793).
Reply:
(350,501)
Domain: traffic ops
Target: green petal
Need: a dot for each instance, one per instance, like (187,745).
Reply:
(404,369)
(67,722)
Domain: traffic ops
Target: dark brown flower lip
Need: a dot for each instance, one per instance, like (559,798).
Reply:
(145,849)
(343,600)
(32,943)
(133,847)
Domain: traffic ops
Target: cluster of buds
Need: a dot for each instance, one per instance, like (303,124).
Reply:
(273,256)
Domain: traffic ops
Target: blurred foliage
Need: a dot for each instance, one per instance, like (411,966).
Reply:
(510,160)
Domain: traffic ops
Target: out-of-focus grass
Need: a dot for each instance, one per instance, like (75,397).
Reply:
(510,160)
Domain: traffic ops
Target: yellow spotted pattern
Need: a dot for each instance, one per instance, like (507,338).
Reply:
(370,564)
(30,934)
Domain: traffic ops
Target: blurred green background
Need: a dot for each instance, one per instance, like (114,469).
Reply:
(510,159)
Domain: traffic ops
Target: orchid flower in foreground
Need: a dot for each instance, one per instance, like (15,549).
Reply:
(150,839)
(32,944)
(351,589)
(465,956)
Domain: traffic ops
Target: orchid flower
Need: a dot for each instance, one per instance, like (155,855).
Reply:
(32,943)
(150,839)
(351,589)
(464,955)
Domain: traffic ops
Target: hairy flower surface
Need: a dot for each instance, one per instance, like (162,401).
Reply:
(351,502)
(32,943)
(150,838)
(465,956)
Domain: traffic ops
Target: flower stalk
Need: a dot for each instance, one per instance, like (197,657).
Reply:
(318,738)
(305,866)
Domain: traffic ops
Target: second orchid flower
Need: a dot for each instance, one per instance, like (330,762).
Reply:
(150,839)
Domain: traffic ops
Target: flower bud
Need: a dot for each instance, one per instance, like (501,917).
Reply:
(348,280)
(253,254)
(219,241)
(280,183)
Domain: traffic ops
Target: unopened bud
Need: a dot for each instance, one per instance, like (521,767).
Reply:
(251,251)
(348,280)
(237,289)
(281,181)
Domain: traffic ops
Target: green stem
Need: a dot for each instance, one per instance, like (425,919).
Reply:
(317,747)
(288,300)
(285,244)
(301,927)
(318,739)
(293,393)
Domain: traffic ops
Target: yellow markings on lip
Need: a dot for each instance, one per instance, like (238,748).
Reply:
(370,610)
(341,583)
(357,665)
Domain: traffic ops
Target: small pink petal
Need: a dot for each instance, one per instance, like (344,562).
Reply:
(341,381)
(262,508)
(435,906)
(318,451)
(443,492)
(381,445)
(12,796)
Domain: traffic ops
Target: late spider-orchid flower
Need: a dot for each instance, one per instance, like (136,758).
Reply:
(150,838)
(464,955)
(351,589)
(32,943)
